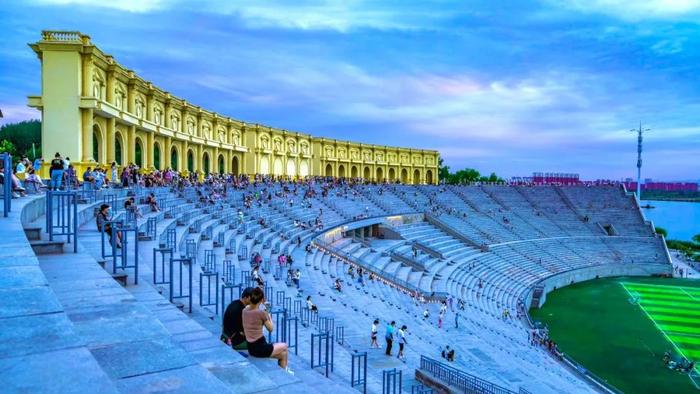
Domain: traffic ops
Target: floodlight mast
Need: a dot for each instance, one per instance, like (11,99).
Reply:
(640,133)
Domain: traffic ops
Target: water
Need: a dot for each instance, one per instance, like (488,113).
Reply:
(680,219)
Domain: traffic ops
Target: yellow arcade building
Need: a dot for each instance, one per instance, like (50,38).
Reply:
(96,111)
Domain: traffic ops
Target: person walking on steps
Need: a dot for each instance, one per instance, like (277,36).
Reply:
(375,329)
(402,342)
(389,336)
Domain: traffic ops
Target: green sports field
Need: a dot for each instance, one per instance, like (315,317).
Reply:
(619,329)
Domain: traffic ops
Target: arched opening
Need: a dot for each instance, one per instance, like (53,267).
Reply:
(205,162)
(392,175)
(329,170)
(380,174)
(96,144)
(429,177)
(264,166)
(118,154)
(291,168)
(353,172)
(156,156)
(277,167)
(404,176)
(234,165)
(221,164)
(138,153)
(173,158)
(190,161)
(368,174)
(341,171)
(416,177)
(304,168)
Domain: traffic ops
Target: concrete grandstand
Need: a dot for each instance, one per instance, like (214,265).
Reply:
(131,319)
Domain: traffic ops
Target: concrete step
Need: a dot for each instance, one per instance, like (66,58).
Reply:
(33,233)
(47,247)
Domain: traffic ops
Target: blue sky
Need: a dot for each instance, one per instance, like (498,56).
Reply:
(506,86)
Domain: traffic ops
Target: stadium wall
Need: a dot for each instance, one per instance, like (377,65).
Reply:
(96,111)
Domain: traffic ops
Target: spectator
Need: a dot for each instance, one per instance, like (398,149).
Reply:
(89,178)
(34,180)
(232,331)
(56,172)
(338,285)
(402,342)
(113,169)
(152,202)
(389,337)
(37,163)
(310,305)
(255,317)
(375,329)
(102,226)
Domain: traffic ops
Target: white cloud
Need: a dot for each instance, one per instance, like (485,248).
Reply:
(635,10)
(138,6)
(17,112)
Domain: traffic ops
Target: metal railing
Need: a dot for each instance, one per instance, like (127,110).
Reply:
(458,379)
(6,183)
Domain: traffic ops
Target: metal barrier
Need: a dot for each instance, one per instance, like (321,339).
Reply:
(292,340)
(219,239)
(243,253)
(326,324)
(212,280)
(358,371)
(62,216)
(181,264)
(392,381)
(126,230)
(163,253)
(6,183)
(209,261)
(340,334)
(279,297)
(228,288)
(229,274)
(151,228)
(460,379)
(280,332)
(421,389)
(287,304)
(88,195)
(191,250)
(171,239)
(245,278)
(298,306)
(231,249)
(111,200)
(112,240)
(323,345)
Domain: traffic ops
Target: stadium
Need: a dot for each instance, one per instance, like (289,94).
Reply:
(121,284)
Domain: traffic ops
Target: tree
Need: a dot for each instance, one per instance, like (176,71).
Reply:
(696,238)
(22,135)
(443,171)
(8,147)
(662,231)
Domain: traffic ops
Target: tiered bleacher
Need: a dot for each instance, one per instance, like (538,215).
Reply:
(147,316)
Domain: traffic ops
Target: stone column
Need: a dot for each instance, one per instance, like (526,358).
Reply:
(86,130)
(111,124)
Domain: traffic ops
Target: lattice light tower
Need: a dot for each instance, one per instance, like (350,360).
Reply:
(640,133)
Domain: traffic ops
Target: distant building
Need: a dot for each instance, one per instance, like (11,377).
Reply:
(649,185)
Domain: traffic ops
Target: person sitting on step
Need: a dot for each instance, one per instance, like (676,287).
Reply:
(232,331)
(255,317)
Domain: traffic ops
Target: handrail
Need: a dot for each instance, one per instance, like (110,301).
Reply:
(6,183)
(461,380)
